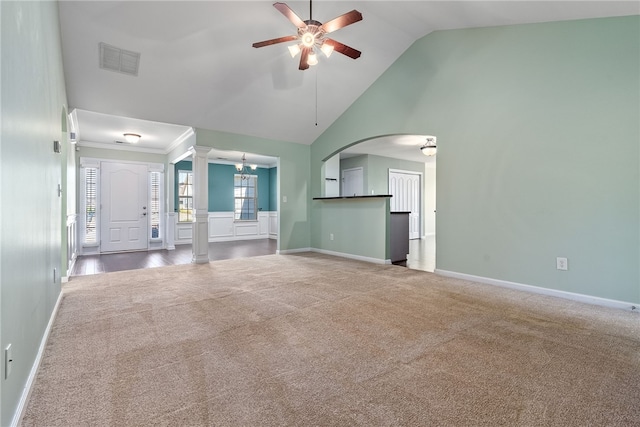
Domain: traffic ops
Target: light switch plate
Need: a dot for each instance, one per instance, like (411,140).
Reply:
(8,361)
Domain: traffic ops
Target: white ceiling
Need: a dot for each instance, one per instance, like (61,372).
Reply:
(198,69)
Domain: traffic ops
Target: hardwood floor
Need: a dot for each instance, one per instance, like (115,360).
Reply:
(107,263)
(421,256)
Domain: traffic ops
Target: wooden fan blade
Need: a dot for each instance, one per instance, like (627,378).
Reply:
(275,41)
(342,21)
(343,48)
(304,56)
(290,14)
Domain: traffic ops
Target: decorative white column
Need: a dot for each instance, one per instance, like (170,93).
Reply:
(171,231)
(200,245)
(170,220)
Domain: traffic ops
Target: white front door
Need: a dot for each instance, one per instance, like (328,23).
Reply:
(352,182)
(405,189)
(124,207)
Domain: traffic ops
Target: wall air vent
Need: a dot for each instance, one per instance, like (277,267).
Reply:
(120,60)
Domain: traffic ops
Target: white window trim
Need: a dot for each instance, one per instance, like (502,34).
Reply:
(256,210)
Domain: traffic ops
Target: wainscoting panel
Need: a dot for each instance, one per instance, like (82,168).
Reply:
(273,225)
(184,232)
(220,224)
(222,228)
(72,241)
(263,224)
(246,229)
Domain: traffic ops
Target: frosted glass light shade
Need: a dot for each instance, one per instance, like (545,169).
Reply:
(131,138)
(294,50)
(327,49)
(312,59)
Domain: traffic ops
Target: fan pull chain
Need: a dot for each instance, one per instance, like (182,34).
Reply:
(316,97)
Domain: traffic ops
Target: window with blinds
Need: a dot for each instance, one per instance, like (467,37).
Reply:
(185,196)
(245,193)
(155,180)
(90,204)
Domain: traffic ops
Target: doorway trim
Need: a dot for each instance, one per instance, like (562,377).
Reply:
(85,248)
(344,181)
(420,204)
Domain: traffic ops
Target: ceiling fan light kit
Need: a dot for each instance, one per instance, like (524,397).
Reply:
(311,36)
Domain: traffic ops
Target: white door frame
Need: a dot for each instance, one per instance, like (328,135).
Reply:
(96,163)
(124,207)
(361,170)
(420,203)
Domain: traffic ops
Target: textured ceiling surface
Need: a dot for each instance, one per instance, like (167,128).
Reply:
(198,68)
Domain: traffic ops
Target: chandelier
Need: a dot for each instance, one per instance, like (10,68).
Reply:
(245,169)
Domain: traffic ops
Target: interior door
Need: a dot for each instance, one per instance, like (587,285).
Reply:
(352,182)
(405,189)
(124,209)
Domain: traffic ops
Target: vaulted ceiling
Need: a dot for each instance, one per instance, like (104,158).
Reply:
(197,67)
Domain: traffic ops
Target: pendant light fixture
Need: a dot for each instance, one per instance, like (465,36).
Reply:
(243,168)
(429,147)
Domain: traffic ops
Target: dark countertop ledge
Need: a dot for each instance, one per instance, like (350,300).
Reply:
(367,196)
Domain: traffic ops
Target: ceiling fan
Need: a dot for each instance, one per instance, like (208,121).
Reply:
(311,36)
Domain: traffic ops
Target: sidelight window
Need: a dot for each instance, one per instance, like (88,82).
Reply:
(155,181)
(90,204)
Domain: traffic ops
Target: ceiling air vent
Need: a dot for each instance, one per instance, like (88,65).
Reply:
(120,60)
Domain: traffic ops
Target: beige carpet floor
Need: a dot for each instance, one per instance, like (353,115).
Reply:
(313,340)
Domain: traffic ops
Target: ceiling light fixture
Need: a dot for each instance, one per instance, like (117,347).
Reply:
(429,147)
(242,167)
(132,138)
(311,36)
(312,59)
(327,49)
(294,50)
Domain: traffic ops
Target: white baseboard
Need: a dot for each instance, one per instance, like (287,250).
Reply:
(236,238)
(543,291)
(26,391)
(351,256)
(292,251)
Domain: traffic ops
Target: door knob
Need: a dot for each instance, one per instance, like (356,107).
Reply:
(144,214)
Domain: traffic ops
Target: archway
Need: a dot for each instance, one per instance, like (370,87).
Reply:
(387,160)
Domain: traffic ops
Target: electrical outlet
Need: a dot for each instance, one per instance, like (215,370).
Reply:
(284,199)
(562,263)
(331,236)
(8,361)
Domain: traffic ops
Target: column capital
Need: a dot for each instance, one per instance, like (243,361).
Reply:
(199,150)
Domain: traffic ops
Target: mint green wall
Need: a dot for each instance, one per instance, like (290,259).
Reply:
(221,186)
(352,163)
(346,218)
(33,102)
(538,149)
(376,170)
(293,178)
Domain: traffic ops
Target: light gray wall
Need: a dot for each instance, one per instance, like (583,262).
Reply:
(538,149)
(33,104)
